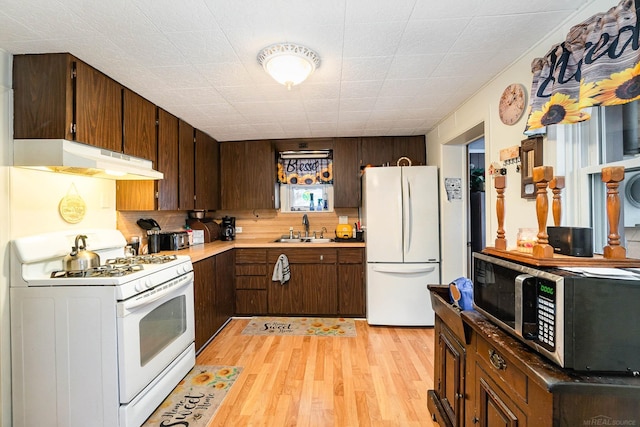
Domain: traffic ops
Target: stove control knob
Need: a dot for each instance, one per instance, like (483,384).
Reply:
(148,283)
(140,286)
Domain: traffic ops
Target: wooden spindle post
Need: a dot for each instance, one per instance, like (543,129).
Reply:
(612,177)
(556,185)
(541,176)
(500,183)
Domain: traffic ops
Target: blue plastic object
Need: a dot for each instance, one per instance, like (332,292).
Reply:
(465,286)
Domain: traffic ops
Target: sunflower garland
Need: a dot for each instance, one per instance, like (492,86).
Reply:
(621,88)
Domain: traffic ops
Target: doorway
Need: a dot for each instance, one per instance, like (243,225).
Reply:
(476,214)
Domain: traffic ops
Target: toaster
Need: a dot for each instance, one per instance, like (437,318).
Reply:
(174,240)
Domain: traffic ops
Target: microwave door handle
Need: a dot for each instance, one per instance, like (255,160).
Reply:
(519,303)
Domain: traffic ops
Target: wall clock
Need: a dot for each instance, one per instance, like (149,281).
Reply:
(512,104)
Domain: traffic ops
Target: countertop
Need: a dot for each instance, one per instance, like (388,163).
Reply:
(206,250)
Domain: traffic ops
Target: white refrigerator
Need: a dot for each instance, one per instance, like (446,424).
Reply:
(400,218)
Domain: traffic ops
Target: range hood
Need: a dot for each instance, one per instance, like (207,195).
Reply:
(64,156)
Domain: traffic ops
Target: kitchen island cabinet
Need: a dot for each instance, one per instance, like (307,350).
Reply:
(312,289)
(248,175)
(57,96)
(483,376)
(213,295)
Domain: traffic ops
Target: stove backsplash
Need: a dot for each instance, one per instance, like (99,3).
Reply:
(36,196)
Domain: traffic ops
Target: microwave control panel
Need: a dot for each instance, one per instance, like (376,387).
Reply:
(546,314)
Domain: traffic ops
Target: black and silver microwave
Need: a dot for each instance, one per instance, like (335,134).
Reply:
(579,322)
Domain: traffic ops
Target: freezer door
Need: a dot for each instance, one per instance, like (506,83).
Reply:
(397,294)
(421,231)
(382,214)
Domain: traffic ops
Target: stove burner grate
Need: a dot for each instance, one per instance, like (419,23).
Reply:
(101,271)
(142,259)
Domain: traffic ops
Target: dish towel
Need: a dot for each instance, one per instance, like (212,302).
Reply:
(281,271)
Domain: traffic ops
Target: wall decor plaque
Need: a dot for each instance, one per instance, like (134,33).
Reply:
(72,207)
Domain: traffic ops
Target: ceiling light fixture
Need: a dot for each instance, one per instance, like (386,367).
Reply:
(288,63)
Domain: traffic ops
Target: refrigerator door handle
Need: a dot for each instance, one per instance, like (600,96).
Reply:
(407,217)
(404,270)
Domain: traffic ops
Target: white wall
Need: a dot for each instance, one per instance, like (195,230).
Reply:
(6,159)
(482,108)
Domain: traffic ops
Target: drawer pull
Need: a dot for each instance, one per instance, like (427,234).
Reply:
(459,396)
(496,360)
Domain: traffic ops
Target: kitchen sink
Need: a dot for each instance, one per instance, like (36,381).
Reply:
(302,240)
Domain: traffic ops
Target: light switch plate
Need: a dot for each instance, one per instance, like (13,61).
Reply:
(238,230)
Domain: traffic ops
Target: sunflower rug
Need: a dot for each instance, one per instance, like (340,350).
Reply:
(310,326)
(196,398)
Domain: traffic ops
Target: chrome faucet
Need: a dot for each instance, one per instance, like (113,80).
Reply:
(305,222)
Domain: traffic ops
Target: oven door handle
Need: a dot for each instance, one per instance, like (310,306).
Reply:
(167,288)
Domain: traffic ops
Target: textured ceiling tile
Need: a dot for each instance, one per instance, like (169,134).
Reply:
(373,68)
(379,39)
(171,16)
(203,47)
(386,67)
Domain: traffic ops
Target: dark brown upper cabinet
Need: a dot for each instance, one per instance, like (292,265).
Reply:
(167,160)
(186,166)
(382,150)
(140,131)
(346,172)
(59,96)
(248,176)
(207,172)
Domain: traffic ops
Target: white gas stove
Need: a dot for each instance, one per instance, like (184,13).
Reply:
(106,344)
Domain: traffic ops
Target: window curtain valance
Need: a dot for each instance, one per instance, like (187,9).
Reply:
(305,171)
(597,64)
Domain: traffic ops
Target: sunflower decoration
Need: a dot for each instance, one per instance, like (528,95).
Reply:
(588,92)
(308,179)
(204,377)
(560,109)
(326,174)
(293,179)
(621,88)
(282,177)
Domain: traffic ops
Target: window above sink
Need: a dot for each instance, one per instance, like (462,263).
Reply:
(306,181)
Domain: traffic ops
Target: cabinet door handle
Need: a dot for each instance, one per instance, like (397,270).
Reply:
(459,396)
(496,360)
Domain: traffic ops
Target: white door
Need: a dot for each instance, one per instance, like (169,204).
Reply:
(421,239)
(397,294)
(382,214)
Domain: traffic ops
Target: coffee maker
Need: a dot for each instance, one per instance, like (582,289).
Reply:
(228,229)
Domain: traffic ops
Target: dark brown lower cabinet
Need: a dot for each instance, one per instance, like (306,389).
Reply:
(351,282)
(485,377)
(324,282)
(312,289)
(213,295)
(251,281)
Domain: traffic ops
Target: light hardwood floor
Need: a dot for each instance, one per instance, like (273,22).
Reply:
(379,378)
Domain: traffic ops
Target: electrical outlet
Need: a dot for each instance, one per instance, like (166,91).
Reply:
(238,230)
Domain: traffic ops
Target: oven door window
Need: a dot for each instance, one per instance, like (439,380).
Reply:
(161,327)
(151,335)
